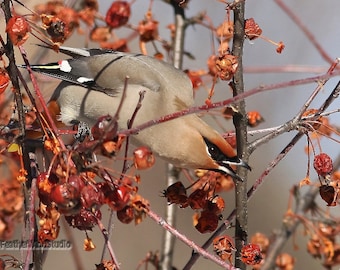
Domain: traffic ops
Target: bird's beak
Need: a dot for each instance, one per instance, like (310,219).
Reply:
(237,162)
(225,166)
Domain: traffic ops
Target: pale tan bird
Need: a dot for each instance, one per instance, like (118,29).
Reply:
(92,86)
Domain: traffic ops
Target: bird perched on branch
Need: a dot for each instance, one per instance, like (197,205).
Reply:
(92,85)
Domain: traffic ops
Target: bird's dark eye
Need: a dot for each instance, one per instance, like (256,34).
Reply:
(214,152)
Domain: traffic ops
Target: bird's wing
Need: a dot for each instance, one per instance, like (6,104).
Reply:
(74,71)
(77,52)
(106,71)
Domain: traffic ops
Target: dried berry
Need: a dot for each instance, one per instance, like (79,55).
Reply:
(126,215)
(89,12)
(143,158)
(92,196)
(223,247)
(148,28)
(207,222)
(105,129)
(49,227)
(226,66)
(261,240)
(195,77)
(328,194)
(4,80)
(116,197)
(285,261)
(45,183)
(280,47)
(67,198)
(56,28)
(323,164)
(88,244)
(198,199)
(315,246)
(176,193)
(85,219)
(77,181)
(254,118)
(251,29)
(251,254)
(225,30)
(100,34)
(216,204)
(118,14)
(18,29)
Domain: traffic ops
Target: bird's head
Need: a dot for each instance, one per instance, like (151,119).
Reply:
(222,158)
(188,142)
(213,151)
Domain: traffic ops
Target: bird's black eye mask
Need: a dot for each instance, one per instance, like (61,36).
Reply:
(217,155)
(221,159)
(224,161)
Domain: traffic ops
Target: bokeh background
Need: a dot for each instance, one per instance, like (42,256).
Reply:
(267,208)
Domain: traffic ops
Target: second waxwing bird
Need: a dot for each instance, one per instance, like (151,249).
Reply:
(92,85)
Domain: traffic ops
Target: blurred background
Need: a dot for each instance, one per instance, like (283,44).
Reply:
(266,209)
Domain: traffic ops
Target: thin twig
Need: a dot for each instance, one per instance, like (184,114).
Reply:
(173,173)
(305,30)
(13,74)
(31,225)
(250,194)
(285,69)
(229,101)
(319,87)
(41,99)
(271,166)
(333,95)
(295,122)
(187,241)
(288,228)
(74,249)
(108,244)
(130,124)
(168,241)
(125,167)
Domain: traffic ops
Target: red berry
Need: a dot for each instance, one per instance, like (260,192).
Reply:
(176,193)
(328,194)
(92,196)
(105,129)
(323,164)
(116,197)
(4,80)
(251,254)
(77,181)
(143,158)
(126,215)
(207,222)
(67,198)
(223,247)
(18,29)
(45,183)
(252,29)
(118,14)
(85,219)
(198,199)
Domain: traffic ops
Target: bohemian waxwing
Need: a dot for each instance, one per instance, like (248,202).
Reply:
(92,86)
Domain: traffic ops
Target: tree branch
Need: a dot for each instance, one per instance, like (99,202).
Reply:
(173,172)
(240,122)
